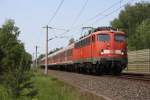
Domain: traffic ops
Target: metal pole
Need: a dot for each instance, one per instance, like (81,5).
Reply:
(46,55)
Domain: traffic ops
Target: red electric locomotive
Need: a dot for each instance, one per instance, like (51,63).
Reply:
(103,50)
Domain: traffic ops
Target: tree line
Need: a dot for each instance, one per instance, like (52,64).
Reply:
(135,21)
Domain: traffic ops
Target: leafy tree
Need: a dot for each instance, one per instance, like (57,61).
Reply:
(143,34)
(1,68)
(129,19)
(15,62)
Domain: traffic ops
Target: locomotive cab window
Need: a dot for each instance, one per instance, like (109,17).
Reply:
(103,37)
(119,37)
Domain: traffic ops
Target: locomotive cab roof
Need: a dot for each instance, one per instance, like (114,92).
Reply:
(101,30)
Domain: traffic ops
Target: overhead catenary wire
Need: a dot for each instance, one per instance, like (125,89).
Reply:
(110,13)
(80,12)
(56,11)
(96,21)
(115,10)
(95,16)
(77,17)
(100,13)
(92,18)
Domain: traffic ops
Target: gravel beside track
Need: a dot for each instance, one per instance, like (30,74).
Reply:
(111,87)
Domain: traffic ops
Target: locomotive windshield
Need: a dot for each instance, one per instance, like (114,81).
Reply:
(119,37)
(103,37)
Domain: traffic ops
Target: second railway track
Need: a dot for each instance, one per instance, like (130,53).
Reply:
(136,76)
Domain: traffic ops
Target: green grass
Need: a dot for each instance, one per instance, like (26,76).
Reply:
(52,89)
(3,93)
(49,88)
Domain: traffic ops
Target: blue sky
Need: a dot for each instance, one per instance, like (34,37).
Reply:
(31,15)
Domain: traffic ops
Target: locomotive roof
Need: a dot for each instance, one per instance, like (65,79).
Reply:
(111,31)
(103,31)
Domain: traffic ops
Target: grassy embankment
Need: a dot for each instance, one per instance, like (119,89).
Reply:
(50,88)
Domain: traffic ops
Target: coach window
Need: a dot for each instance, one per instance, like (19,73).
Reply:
(75,45)
(78,45)
(81,42)
(84,42)
(88,40)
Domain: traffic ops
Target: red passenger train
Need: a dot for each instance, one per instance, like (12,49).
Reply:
(103,50)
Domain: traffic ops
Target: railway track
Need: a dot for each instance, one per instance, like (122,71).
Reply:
(136,76)
(123,87)
(126,75)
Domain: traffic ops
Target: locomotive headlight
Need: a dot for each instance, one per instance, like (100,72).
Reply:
(123,52)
